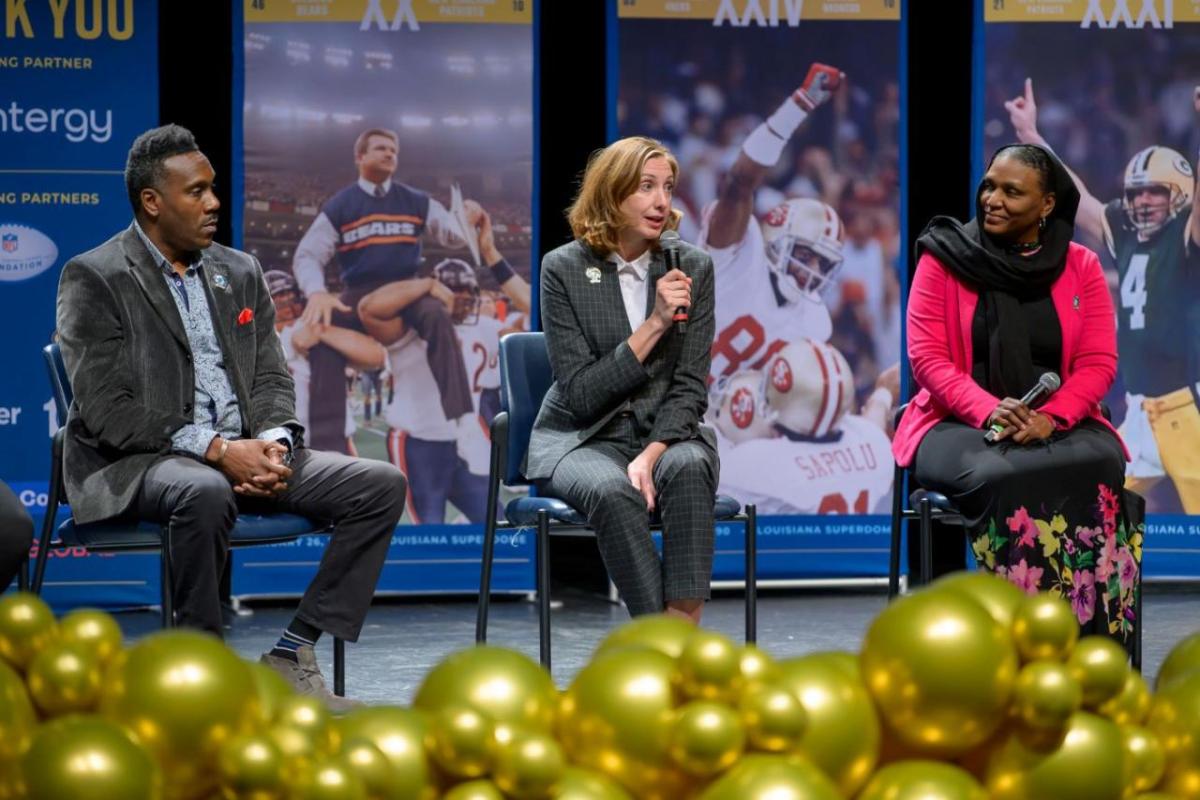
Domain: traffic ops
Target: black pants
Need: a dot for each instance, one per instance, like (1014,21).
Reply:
(361,497)
(16,535)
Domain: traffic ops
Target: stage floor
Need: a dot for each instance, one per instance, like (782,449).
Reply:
(403,639)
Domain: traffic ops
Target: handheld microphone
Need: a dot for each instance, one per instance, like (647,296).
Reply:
(669,242)
(1047,385)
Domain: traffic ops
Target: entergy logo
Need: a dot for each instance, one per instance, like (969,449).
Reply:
(24,252)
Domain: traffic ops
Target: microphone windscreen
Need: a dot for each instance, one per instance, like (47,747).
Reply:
(669,240)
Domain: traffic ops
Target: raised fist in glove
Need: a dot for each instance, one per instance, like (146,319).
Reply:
(819,85)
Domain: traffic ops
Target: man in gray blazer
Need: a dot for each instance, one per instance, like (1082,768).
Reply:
(619,433)
(184,411)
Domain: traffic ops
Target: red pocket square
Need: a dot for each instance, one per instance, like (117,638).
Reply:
(246,316)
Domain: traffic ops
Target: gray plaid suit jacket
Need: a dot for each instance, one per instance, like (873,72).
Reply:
(130,367)
(596,373)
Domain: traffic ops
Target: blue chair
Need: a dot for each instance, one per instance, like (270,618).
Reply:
(525,377)
(925,506)
(117,535)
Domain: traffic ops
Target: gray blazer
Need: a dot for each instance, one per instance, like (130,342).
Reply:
(596,373)
(130,366)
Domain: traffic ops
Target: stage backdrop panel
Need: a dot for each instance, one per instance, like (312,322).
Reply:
(1114,89)
(822,355)
(67,117)
(384,154)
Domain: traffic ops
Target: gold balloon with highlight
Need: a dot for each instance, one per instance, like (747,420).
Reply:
(1045,628)
(659,632)
(1175,720)
(922,780)
(706,738)
(93,630)
(26,626)
(756,665)
(507,686)
(998,597)
(1131,705)
(182,694)
(88,758)
(1086,765)
(17,717)
(474,790)
(580,784)
(1046,695)
(710,667)
(399,733)
(772,777)
(251,767)
(528,765)
(1099,664)
(370,764)
(1145,758)
(272,689)
(773,718)
(312,720)
(461,741)
(941,670)
(1183,659)
(616,719)
(63,679)
(328,780)
(842,735)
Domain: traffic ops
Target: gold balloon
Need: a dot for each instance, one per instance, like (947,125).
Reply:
(528,765)
(17,717)
(710,667)
(1087,765)
(843,735)
(1131,705)
(251,767)
(272,689)
(579,784)
(368,762)
(1045,628)
(771,777)
(941,670)
(94,630)
(328,780)
(1099,664)
(1144,757)
(1175,720)
(707,738)
(922,780)
(88,758)
(182,694)
(1046,695)
(64,678)
(999,597)
(616,719)
(848,662)
(773,718)
(26,626)
(474,790)
(505,685)
(313,721)
(461,741)
(399,734)
(756,666)
(1183,659)
(659,632)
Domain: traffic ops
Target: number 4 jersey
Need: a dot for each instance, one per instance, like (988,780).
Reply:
(1157,312)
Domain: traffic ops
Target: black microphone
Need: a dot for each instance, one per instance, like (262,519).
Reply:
(669,242)
(1047,385)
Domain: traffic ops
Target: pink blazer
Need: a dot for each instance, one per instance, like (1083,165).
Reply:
(940,311)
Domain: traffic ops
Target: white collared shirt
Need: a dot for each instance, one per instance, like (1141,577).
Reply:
(632,276)
(369,187)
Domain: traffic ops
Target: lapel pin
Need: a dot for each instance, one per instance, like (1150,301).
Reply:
(593,274)
(220,282)
(1075,302)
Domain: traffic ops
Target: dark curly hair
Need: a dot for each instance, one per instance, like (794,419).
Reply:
(144,165)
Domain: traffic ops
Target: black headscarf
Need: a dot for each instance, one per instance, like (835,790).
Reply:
(1003,277)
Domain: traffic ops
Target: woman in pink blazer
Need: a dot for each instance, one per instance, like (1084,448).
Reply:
(995,304)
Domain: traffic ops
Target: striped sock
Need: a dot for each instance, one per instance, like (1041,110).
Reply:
(295,636)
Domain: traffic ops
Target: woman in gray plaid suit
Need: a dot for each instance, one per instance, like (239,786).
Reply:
(619,432)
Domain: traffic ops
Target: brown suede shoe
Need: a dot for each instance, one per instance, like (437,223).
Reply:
(305,677)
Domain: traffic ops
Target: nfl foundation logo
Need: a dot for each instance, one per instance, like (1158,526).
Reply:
(9,242)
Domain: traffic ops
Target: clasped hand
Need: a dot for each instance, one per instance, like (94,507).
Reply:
(1021,424)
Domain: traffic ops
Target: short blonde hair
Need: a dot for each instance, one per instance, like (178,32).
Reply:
(612,175)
